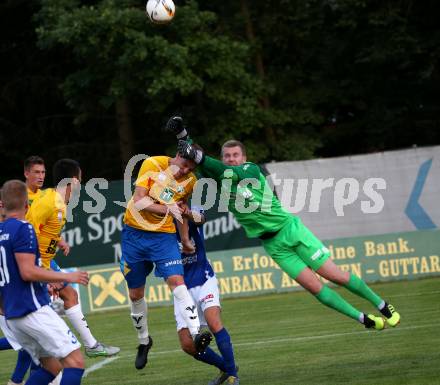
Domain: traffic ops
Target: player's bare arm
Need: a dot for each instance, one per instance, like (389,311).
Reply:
(64,246)
(30,272)
(143,202)
(193,215)
(183,229)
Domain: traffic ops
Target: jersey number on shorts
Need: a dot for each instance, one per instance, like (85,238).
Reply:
(74,340)
(4,272)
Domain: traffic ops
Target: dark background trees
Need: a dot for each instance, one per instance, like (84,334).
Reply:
(95,80)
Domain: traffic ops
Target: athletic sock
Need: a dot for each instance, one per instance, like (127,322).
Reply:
(187,309)
(40,377)
(385,310)
(71,376)
(212,358)
(224,345)
(332,299)
(77,319)
(360,288)
(23,362)
(4,344)
(34,366)
(139,319)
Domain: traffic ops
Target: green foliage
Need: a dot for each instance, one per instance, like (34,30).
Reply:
(119,53)
(297,79)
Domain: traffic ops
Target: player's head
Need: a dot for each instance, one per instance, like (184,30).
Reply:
(34,172)
(184,166)
(14,197)
(233,153)
(66,168)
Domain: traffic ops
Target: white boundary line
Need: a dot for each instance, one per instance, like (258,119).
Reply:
(99,365)
(304,338)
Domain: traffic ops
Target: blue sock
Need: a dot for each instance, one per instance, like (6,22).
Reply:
(34,366)
(71,376)
(224,344)
(23,363)
(4,344)
(212,358)
(40,377)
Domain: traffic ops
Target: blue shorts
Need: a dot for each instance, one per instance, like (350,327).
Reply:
(142,250)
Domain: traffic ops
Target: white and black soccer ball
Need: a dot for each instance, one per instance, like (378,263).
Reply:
(160,11)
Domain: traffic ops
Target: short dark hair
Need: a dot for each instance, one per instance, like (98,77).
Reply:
(14,195)
(234,143)
(33,159)
(65,168)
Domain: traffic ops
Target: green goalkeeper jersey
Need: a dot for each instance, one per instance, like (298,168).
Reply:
(248,196)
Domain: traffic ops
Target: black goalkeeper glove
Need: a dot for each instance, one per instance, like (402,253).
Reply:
(175,125)
(188,151)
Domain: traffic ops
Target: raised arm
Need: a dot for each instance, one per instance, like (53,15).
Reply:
(213,168)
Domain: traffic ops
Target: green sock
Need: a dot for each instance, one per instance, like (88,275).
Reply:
(332,299)
(360,288)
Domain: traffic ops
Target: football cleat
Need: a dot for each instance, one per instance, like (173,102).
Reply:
(392,318)
(142,354)
(101,350)
(202,340)
(373,322)
(231,380)
(221,378)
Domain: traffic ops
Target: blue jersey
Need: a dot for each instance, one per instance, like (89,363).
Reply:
(19,297)
(197,268)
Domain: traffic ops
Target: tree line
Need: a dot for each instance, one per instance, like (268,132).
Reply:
(298,79)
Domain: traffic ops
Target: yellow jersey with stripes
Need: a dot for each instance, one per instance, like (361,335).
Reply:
(156,177)
(48,216)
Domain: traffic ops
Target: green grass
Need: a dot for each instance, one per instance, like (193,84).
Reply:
(285,339)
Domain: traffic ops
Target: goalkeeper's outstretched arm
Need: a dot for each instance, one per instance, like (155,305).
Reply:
(213,168)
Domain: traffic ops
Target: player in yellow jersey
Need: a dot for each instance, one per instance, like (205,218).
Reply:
(34,173)
(149,240)
(48,216)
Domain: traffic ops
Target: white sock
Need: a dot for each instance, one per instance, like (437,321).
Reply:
(77,319)
(361,318)
(187,308)
(139,319)
(381,305)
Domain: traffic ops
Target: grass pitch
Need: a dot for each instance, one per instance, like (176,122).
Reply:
(283,339)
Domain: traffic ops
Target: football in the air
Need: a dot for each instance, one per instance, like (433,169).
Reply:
(160,11)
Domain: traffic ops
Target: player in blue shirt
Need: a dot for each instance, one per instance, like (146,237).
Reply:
(36,327)
(9,342)
(203,286)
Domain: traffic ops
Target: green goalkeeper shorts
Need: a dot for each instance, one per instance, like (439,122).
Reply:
(295,247)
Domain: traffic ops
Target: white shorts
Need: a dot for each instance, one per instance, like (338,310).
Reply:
(43,333)
(204,296)
(8,334)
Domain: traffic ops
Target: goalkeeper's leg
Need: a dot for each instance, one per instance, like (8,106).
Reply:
(307,278)
(356,285)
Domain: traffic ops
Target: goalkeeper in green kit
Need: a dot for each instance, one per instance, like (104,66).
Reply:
(291,244)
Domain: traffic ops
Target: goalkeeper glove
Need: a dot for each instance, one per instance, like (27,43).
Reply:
(188,151)
(175,125)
